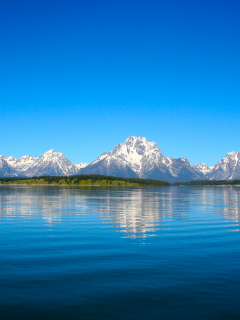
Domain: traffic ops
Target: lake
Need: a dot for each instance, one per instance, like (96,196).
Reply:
(119,253)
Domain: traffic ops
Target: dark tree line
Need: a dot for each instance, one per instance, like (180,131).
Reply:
(92,177)
(207,183)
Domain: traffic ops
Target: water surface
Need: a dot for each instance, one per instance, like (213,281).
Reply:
(119,253)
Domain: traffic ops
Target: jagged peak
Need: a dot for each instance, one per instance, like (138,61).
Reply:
(52,153)
(203,168)
(233,154)
(81,165)
(201,164)
(140,144)
(133,139)
(134,144)
(27,156)
(11,158)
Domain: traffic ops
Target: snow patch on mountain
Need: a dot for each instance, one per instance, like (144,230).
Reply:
(203,168)
(81,165)
(21,164)
(226,169)
(5,169)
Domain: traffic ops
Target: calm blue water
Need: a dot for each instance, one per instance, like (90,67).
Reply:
(119,253)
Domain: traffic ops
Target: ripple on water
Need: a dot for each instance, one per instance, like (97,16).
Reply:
(119,253)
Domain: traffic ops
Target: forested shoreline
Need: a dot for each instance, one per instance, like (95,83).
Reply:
(103,180)
(99,180)
(208,183)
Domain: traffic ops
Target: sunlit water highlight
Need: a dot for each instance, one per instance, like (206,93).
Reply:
(119,253)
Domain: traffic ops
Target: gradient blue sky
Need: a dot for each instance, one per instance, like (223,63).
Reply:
(82,76)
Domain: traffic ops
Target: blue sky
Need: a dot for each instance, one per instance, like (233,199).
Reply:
(82,76)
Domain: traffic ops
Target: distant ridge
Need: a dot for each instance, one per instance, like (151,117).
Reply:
(50,163)
(135,158)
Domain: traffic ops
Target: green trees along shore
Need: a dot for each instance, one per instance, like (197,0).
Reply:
(83,180)
(102,180)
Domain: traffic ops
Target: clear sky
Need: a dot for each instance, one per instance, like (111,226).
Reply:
(81,76)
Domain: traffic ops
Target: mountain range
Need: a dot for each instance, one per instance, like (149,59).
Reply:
(136,157)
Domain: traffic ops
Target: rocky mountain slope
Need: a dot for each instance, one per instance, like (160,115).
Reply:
(226,169)
(20,164)
(137,157)
(50,163)
(5,169)
(203,168)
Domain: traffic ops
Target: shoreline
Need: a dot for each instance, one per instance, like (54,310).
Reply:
(66,185)
(110,185)
(209,185)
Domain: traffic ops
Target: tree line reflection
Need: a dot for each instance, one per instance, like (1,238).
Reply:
(136,212)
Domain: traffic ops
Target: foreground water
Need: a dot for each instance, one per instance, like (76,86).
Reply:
(119,253)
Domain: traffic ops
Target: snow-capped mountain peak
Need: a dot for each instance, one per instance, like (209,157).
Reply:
(135,152)
(51,154)
(228,168)
(5,169)
(203,168)
(20,164)
(49,163)
(81,165)
(233,155)
(138,157)
(10,159)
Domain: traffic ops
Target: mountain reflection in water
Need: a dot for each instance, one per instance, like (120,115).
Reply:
(135,212)
(119,253)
